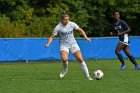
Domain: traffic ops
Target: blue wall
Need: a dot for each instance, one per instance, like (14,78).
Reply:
(16,49)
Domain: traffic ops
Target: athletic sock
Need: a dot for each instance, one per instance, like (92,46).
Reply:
(65,65)
(121,58)
(131,58)
(85,69)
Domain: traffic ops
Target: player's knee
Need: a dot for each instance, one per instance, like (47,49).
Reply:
(80,60)
(64,59)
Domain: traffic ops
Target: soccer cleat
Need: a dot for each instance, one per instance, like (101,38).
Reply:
(89,78)
(137,67)
(123,67)
(63,73)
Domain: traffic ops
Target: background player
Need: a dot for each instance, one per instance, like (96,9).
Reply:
(68,43)
(122,30)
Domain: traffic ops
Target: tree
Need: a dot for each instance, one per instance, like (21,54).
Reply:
(37,18)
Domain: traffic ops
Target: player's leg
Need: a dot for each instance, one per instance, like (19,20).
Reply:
(64,56)
(75,50)
(131,58)
(84,67)
(119,47)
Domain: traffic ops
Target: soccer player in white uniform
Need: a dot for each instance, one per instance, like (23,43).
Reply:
(68,43)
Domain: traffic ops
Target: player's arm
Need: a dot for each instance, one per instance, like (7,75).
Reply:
(50,40)
(111,31)
(126,31)
(83,34)
(125,27)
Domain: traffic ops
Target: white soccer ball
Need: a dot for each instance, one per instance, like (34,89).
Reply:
(98,74)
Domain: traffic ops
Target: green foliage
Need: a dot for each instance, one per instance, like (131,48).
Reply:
(8,29)
(37,18)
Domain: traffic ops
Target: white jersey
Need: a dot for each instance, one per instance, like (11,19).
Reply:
(66,32)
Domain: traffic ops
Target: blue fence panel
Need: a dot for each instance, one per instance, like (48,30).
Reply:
(17,49)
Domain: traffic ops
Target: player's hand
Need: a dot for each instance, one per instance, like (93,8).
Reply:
(118,34)
(111,33)
(88,39)
(46,45)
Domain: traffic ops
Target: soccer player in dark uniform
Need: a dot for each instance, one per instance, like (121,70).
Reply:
(121,29)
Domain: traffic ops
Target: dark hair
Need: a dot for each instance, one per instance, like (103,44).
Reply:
(116,11)
(64,14)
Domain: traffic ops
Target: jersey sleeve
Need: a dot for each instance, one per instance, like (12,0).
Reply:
(125,25)
(75,26)
(55,31)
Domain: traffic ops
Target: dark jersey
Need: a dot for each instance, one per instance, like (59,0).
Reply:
(120,27)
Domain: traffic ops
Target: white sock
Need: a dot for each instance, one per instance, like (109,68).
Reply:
(85,69)
(65,65)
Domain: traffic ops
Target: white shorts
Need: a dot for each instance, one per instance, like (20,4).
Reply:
(125,40)
(72,48)
(126,43)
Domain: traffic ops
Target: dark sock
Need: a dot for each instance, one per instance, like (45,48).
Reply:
(120,58)
(131,58)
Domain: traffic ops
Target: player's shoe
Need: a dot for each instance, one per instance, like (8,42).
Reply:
(63,73)
(89,78)
(137,67)
(123,67)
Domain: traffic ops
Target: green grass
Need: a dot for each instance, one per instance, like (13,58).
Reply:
(44,78)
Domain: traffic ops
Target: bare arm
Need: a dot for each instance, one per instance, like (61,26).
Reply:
(125,27)
(126,31)
(50,40)
(83,34)
(111,33)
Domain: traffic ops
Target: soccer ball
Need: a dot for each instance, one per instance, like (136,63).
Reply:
(98,74)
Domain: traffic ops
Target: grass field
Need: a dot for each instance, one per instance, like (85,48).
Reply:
(44,78)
